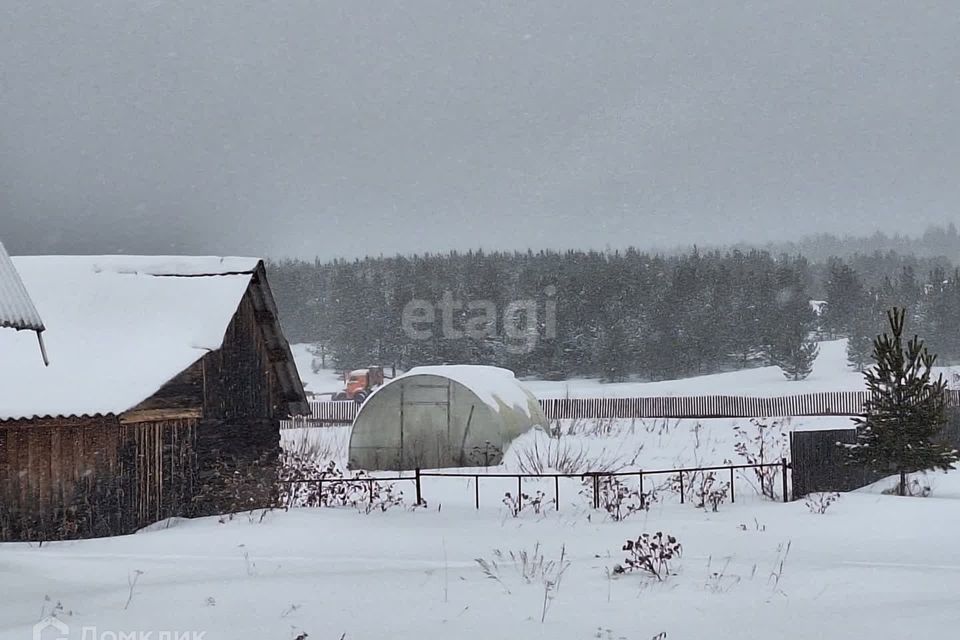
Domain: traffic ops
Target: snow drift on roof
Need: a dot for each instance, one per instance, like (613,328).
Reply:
(491,384)
(115,334)
(16,309)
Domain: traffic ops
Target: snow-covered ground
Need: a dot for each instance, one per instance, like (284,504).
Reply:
(324,381)
(873,566)
(830,373)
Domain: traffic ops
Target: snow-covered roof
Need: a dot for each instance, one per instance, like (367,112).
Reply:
(17,310)
(115,332)
(490,384)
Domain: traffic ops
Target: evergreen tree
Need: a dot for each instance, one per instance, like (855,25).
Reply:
(789,342)
(865,327)
(795,356)
(859,348)
(845,296)
(906,409)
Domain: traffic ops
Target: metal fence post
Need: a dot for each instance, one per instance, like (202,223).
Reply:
(596,491)
(643,499)
(519,492)
(681,486)
(556,492)
(419,492)
(784,465)
(733,497)
(476,491)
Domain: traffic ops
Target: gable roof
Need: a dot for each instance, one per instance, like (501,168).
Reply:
(120,327)
(16,309)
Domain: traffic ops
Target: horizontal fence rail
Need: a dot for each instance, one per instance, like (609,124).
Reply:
(830,403)
(596,480)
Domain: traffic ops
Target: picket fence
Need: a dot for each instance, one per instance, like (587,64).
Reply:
(831,403)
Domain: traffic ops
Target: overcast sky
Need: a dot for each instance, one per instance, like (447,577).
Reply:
(306,127)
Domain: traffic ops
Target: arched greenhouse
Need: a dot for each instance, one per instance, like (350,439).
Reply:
(442,416)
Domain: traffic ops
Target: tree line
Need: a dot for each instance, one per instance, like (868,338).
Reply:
(610,314)
(857,310)
(613,314)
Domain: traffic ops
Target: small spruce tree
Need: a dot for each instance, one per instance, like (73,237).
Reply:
(867,323)
(795,357)
(859,348)
(905,411)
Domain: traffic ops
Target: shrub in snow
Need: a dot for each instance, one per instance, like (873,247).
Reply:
(532,567)
(718,581)
(594,427)
(757,526)
(913,488)
(776,574)
(763,443)
(517,504)
(701,488)
(650,555)
(486,454)
(819,502)
(329,486)
(233,485)
(662,427)
(709,492)
(618,498)
(536,453)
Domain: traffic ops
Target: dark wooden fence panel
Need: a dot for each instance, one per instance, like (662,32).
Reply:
(818,462)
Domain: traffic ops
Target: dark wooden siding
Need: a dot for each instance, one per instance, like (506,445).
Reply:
(819,462)
(182,393)
(92,476)
(238,443)
(238,381)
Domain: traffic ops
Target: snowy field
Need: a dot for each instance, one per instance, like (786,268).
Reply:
(830,373)
(873,566)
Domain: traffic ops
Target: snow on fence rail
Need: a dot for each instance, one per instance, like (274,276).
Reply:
(831,403)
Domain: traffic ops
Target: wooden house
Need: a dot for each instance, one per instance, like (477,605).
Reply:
(168,377)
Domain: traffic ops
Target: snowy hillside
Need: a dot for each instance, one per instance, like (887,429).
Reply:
(830,373)
(325,381)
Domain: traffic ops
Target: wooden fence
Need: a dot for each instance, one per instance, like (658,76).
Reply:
(832,403)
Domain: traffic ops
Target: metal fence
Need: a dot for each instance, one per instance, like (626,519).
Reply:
(595,478)
(831,403)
